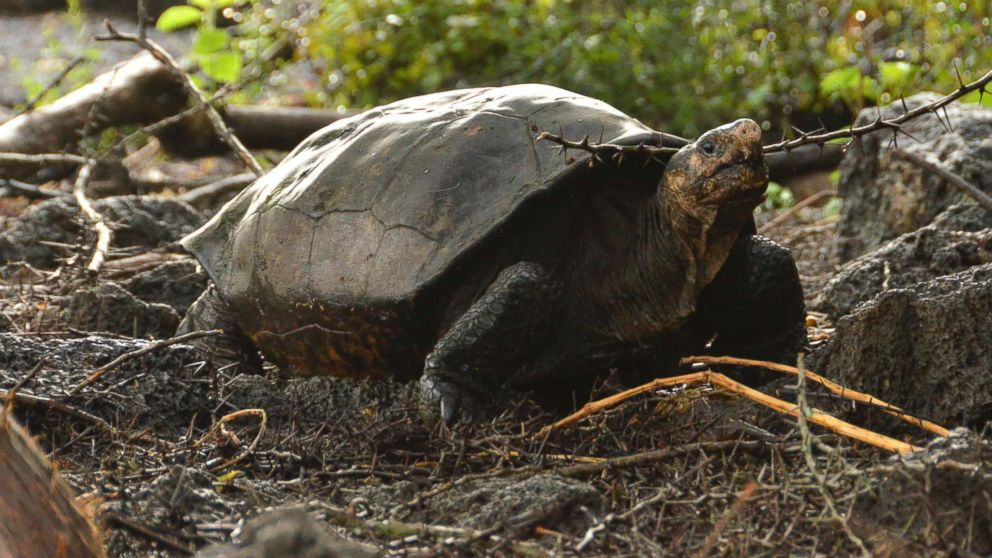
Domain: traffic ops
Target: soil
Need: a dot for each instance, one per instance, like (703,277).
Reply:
(349,463)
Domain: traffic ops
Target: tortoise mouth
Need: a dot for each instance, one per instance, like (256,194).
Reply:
(739,184)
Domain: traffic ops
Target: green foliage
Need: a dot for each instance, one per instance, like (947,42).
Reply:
(778,197)
(56,57)
(213,49)
(683,66)
(833,207)
(178,17)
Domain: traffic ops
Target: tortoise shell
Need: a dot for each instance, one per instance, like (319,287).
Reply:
(322,259)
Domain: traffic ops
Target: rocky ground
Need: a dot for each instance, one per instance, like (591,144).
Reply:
(176,458)
(183,458)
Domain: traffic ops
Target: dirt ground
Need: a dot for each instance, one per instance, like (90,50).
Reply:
(178,455)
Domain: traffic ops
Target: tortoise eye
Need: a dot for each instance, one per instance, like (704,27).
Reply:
(708,148)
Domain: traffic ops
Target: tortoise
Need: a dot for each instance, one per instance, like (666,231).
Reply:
(437,238)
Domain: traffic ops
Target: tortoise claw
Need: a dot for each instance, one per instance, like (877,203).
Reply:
(446,399)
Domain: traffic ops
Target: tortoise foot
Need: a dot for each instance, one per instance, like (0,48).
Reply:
(448,398)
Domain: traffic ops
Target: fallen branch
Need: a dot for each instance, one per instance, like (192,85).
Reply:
(48,404)
(132,265)
(216,121)
(17,188)
(115,520)
(399,530)
(103,232)
(833,387)
(119,96)
(97,373)
(817,417)
(951,178)
(626,461)
(779,219)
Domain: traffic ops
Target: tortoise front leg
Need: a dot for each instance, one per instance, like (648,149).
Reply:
(232,348)
(502,331)
(756,306)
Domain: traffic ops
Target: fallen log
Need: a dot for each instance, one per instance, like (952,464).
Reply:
(141,90)
(39,515)
(145,91)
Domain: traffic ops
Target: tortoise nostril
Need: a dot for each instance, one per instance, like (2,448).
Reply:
(748,130)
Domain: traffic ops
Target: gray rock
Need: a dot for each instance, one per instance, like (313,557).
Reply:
(164,387)
(143,221)
(932,502)
(548,499)
(109,308)
(287,532)
(957,240)
(177,284)
(923,347)
(885,196)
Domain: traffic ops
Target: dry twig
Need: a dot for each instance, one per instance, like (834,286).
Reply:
(97,373)
(804,412)
(217,188)
(263,424)
(833,387)
(951,178)
(785,216)
(51,85)
(43,158)
(215,118)
(742,498)
(103,232)
(816,417)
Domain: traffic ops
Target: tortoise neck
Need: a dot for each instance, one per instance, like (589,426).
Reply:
(707,237)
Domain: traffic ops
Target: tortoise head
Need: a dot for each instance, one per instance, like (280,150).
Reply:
(722,175)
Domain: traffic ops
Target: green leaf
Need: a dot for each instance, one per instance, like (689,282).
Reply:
(209,40)
(202,4)
(178,17)
(224,67)
(894,74)
(840,81)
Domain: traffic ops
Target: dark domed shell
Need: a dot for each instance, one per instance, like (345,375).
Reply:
(375,207)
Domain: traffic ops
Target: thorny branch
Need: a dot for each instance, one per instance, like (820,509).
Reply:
(894,124)
(613,151)
(818,137)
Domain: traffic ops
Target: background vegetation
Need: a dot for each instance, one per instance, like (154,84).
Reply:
(683,66)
